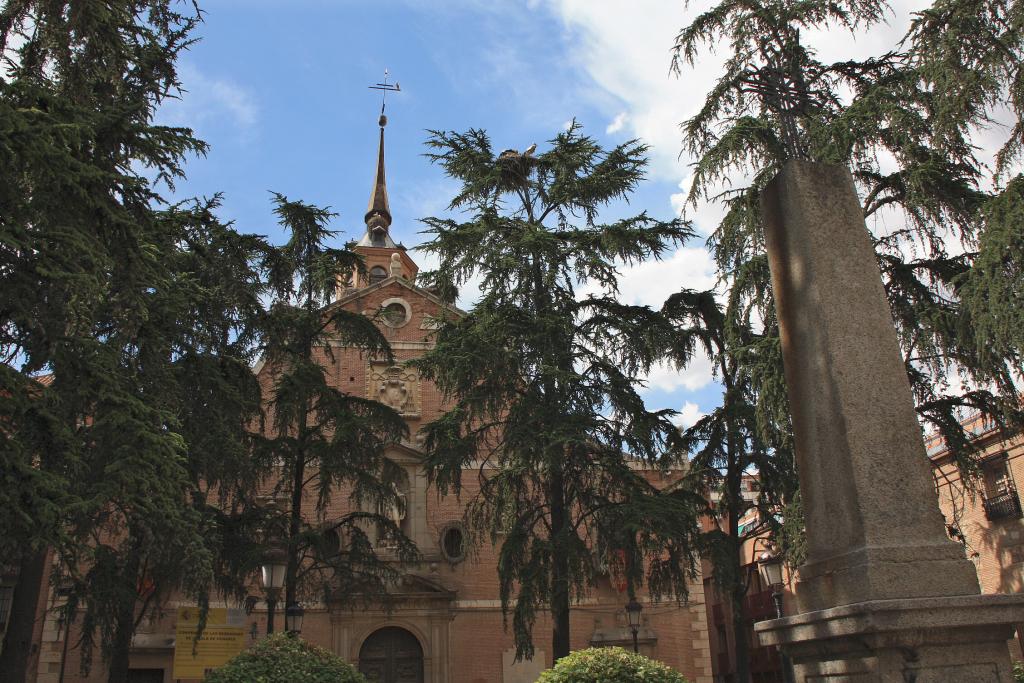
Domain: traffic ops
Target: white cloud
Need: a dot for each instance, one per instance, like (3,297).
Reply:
(208,99)
(678,199)
(635,73)
(688,415)
(617,124)
(651,282)
(665,377)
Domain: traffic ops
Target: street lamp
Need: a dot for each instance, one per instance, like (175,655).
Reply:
(633,610)
(770,565)
(293,618)
(275,564)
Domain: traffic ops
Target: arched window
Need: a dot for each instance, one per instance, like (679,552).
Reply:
(377,274)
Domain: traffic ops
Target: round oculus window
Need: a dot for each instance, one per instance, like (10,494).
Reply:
(453,543)
(394,314)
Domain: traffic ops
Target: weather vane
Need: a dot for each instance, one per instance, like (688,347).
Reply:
(385,87)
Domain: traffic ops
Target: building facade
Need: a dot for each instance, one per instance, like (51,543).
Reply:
(442,621)
(984,513)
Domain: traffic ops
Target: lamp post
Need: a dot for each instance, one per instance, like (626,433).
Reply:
(293,615)
(633,610)
(770,565)
(275,564)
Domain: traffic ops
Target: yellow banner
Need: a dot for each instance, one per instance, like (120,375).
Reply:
(222,639)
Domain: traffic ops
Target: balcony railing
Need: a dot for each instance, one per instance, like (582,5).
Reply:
(1004,506)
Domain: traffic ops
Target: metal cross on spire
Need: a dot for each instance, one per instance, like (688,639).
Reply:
(385,87)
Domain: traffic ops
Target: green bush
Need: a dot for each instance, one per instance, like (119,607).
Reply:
(609,665)
(282,659)
(1018,672)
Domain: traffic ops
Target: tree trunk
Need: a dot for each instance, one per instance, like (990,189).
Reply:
(560,642)
(734,481)
(21,622)
(735,506)
(739,632)
(294,528)
(559,568)
(121,648)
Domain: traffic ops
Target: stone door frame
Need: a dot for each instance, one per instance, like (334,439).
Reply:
(418,605)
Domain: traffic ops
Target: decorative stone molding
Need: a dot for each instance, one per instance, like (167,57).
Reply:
(395,386)
(430,323)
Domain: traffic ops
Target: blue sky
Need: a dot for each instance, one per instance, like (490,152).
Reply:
(278,88)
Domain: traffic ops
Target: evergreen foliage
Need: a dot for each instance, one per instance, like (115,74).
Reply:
(736,439)
(282,658)
(992,290)
(791,538)
(140,314)
(164,431)
(968,53)
(320,439)
(77,219)
(542,375)
(609,665)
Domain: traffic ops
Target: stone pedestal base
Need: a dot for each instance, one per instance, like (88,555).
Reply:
(959,639)
(886,573)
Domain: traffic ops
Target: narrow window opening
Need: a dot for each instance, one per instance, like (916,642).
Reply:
(377,274)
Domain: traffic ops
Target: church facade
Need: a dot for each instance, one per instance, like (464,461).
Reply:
(442,621)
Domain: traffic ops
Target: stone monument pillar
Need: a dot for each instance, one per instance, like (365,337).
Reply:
(884,595)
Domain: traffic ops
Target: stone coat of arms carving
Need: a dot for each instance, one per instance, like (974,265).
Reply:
(394,386)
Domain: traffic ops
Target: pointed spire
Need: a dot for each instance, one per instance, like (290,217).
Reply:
(378,213)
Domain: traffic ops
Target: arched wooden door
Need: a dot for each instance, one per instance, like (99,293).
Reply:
(391,655)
